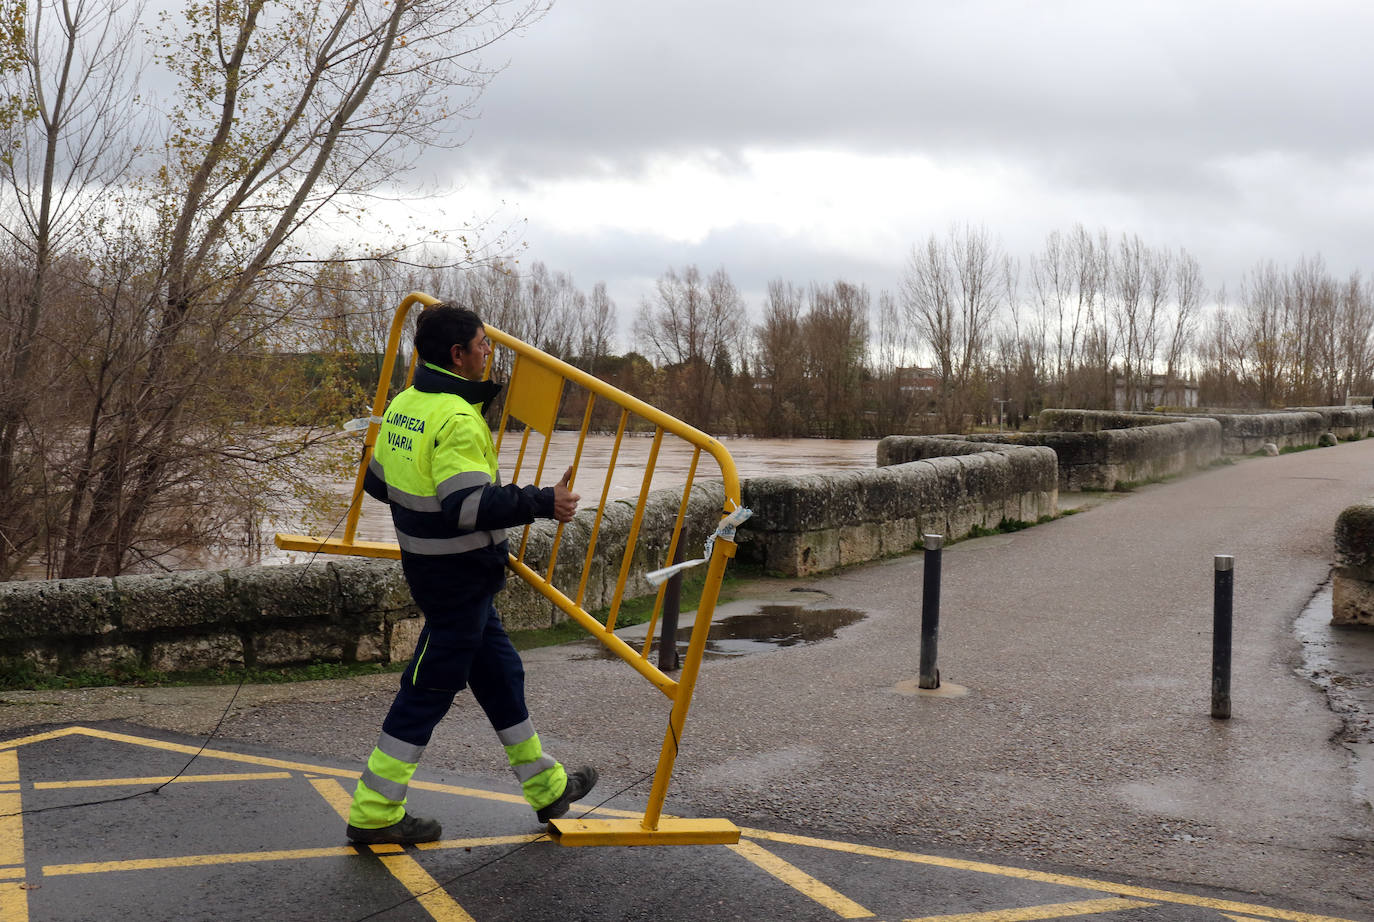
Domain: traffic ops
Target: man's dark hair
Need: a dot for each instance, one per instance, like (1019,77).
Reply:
(439,327)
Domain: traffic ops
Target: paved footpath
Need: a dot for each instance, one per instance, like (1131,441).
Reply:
(1070,769)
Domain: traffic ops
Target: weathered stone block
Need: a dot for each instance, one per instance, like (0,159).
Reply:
(367,585)
(1352,601)
(279,592)
(173,600)
(102,658)
(297,645)
(57,608)
(1354,541)
(372,646)
(405,634)
(208,651)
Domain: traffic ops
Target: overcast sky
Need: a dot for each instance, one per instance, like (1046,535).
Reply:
(820,141)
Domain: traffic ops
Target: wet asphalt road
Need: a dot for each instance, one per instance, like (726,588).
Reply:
(1074,738)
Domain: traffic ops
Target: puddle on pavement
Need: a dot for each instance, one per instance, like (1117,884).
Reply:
(1340,661)
(769,628)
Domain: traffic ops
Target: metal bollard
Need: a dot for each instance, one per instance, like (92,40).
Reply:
(1222,588)
(668,659)
(930,611)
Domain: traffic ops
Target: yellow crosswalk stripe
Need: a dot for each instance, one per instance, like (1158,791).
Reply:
(165,779)
(11,822)
(427,891)
(798,879)
(1049,911)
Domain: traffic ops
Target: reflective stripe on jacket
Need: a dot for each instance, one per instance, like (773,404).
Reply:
(435,465)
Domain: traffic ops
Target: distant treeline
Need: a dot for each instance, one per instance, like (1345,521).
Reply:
(972,336)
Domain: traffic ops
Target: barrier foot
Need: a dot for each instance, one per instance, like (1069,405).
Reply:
(670,831)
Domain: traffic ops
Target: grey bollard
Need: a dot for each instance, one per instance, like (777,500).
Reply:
(1222,589)
(930,611)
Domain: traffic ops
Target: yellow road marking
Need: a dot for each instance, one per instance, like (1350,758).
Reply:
(12,874)
(334,795)
(40,737)
(490,840)
(16,907)
(428,892)
(165,779)
(14,903)
(200,861)
(801,881)
(1082,883)
(196,861)
(11,809)
(1032,913)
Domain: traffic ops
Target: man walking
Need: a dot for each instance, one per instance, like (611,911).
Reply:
(435,465)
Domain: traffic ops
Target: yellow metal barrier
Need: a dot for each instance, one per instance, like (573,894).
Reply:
(534,395)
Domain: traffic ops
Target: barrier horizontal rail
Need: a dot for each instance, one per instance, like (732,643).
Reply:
(540,388)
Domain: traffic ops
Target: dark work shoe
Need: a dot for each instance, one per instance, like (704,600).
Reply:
(580,784)
(409,830)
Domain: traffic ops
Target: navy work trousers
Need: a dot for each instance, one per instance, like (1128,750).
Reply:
(461,648)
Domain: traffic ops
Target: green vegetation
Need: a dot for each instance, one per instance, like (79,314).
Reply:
(1007,526)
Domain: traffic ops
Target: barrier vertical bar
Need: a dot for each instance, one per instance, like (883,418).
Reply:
(930,610)
(1223,585)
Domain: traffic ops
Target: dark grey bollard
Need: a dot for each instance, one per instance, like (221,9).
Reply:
(1222,589)
(930,611)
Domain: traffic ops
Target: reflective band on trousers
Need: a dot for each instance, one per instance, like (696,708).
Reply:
(542,779)
(400,750)
(391,790)
(379,799)
(516,734)
(525,771)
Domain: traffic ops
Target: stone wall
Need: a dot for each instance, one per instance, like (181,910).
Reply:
(1345,423)
(1352,601)
(338,609)
(335,609)
(1102,450)
(1245,432)
(809,524)
(352,609)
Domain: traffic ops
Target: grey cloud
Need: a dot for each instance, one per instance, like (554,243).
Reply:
(612,81)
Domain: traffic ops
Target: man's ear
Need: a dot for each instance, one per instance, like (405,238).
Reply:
(455,355)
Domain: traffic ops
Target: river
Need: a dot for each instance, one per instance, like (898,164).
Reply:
(752,457)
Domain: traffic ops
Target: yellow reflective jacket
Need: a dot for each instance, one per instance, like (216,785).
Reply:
(435,465)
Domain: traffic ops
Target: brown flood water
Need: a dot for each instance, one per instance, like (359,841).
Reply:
(752,457)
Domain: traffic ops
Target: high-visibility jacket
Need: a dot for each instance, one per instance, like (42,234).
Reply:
(435,465)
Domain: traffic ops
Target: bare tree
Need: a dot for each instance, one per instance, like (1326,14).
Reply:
(836,335)
(67,142)
(951,291)
(894,398)
(693,326)
(780,362)
(285,114)
(1355,337)
(596,327)
(1188,294)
